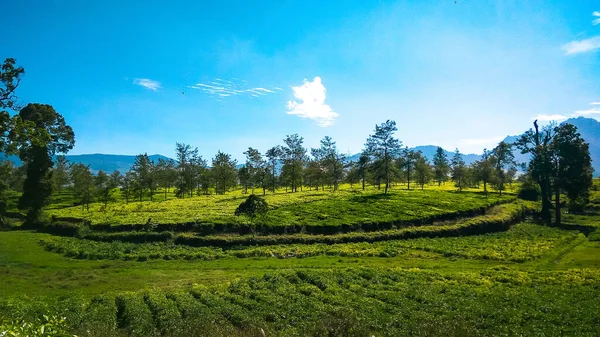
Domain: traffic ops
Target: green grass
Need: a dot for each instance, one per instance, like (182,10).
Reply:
(296,211)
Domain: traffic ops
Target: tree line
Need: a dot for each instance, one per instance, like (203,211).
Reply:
(560,162)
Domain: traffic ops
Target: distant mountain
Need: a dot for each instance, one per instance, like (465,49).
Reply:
(105,162)
(429,151)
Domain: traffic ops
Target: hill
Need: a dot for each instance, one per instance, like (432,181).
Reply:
(98,161)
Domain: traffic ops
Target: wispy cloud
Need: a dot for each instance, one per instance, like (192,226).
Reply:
(586,45)
(312,103)
(548,118)
(587,112)
(582,46)
(221,88)
(147,83)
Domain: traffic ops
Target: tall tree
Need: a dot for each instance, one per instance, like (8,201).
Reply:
(294,155)
(6,169)
(537,143)
(144,173)
(39,133)
(331,160)
(224,172)
(83,184)
(573,167)
(383,146)
(273,155)
(104,187)
(484,169)
(441,165)
(243,175)
(362,166)
(423,170)
(60,173)
(459,171)
(10,77)
(407,164)
(256,167)
(504,162)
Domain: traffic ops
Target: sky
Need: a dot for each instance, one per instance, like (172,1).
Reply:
(132,77)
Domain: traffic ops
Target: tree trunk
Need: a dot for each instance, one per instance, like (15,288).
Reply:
(363,183)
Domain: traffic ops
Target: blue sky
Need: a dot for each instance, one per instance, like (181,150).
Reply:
(225,75)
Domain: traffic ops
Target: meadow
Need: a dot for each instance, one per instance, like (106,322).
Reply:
(475,266)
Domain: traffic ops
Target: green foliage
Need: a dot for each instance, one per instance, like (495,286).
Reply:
(529,191)
(223,172)
(252,207)
(47,326)
(384,148)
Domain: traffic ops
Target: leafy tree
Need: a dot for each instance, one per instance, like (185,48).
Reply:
(104,187)
(60,173)
(253,207)
(441,165)
(384,147)
(573,168)
(423,171)
(223,172)
(144,175)
(459,171)
(83,184)
(243,175)
(484,169)
(10,77)
(185,169)
(362,167)
(538,144)
(504,162)
(127,185)
(165,174)
(294,155)
(257,169)
(314,175)
(331,162)
(39,133)
(407,164)
(273,155)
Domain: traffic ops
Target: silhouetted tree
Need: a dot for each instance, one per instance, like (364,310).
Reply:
(441,166)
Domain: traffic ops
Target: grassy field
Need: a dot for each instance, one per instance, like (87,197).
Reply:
(520,279)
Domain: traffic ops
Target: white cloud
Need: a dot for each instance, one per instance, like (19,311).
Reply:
(224,88)
(596,21)
(548,118)
(595,103)
(147,83)
(576,47)
(592,111)
(312,103)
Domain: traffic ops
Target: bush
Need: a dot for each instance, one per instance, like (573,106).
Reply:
(529,191)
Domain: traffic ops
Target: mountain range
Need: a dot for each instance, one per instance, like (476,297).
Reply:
(589,129)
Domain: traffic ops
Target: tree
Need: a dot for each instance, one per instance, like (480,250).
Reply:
(254,206)
(273,155)
(60,173)
(504,162)
(441,166)
(10,77)
(537,144)
(127,185)
(223,172)
(83,184)
(39,133)
(383,146)
(484,169)
(332,161)
(186,156)
(257,169)
(243,175)
(104,187)
(5,173)
(459,171)
(422,170)
(573,167)
(409,158)
(165,174)
(294,155)
(362,166)
(144,175)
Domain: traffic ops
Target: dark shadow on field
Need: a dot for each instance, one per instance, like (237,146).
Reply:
(370,198)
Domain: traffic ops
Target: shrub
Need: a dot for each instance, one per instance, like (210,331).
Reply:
(529,191)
